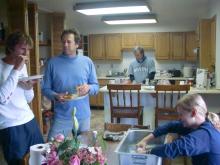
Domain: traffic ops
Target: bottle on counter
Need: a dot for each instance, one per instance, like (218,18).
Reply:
(208,81)
(2,32)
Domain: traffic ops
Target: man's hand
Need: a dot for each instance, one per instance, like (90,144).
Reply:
(83,89)
(60,97)
(27,85)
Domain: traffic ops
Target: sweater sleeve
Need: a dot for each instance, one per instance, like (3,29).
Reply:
(92,81)
(194,143)
(47,83)
(29,95)
(171,127)
(8,87)
(151,66)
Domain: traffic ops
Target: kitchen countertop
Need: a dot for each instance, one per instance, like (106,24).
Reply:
(112,78)
(156,78)
(149,89)
(174,78)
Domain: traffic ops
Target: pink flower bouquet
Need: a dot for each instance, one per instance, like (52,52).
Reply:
(63,151)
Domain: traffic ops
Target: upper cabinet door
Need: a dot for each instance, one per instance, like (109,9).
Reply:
(190,46)
(97,46)
(113,46)
(213,40)
(162,46)
(128,40)
(145,40)
(177,45)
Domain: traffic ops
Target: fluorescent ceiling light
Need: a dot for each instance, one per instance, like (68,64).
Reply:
(130,19)
(112,7)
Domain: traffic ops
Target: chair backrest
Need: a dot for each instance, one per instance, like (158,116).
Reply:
(168,93)
(115,127)
(125,102)
(121,92)
(166,98)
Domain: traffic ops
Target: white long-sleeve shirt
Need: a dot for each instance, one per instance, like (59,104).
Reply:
(14,108)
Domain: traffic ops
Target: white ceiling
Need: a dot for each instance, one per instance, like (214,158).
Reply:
(171,13)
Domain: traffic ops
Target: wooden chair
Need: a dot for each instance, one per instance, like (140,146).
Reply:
(120,106)
(166,97)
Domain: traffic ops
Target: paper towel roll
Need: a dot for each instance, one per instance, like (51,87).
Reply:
(36,156)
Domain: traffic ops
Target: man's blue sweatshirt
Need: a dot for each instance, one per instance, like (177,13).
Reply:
(63,74)
(202,144)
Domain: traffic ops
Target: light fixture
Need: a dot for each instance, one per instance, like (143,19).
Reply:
(112,7)
(130,19)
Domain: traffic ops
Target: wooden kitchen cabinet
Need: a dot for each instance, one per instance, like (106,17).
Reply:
(130,40)
(190,46)
(205,44)
(162,46)
(113,46)
(97,46)
(213,40)
(93,100)
(145,40)
(177,46)
(105,46)
(98,100)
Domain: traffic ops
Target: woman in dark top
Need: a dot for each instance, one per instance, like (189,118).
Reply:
(199,130)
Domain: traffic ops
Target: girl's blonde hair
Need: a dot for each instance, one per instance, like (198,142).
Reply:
(189,101)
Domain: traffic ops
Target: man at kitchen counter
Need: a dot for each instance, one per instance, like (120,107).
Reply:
(69,72)
(142,68)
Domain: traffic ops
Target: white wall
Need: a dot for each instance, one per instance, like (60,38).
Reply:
(215,10)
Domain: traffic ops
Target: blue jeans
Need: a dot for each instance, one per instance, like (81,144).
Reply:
(65,127)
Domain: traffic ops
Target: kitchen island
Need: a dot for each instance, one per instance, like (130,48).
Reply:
(211,96)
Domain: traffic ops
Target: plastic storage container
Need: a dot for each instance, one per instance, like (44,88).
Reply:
(126,150)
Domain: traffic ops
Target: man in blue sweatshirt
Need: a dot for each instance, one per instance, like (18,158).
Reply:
(199,130)
(68,73)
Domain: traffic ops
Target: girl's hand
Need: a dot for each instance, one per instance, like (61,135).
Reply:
(141,146)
